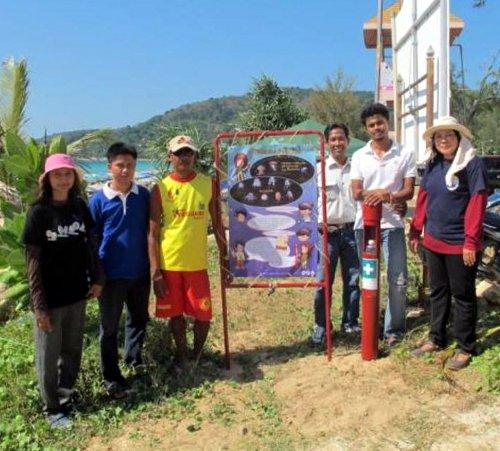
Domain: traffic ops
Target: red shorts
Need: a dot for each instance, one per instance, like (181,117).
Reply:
(188,293)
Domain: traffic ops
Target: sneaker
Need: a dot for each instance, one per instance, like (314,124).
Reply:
(460,360)
(318,335)
(58,420)
(351,329)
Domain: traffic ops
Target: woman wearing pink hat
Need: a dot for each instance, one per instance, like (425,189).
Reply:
(62,273)
(450,209)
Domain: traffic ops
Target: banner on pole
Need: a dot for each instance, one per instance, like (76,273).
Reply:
(273,196)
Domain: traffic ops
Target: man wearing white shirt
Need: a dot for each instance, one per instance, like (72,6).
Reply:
(383,172)
(340,211)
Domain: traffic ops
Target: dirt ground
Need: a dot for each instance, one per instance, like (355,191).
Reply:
(282,394)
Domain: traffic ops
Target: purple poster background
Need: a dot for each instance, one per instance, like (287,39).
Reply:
(273,230)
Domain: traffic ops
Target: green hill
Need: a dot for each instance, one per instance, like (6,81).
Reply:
(210,116)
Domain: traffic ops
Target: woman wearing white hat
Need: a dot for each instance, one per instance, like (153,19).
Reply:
(450,208)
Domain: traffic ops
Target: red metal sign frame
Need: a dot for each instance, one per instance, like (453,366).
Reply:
(225,282)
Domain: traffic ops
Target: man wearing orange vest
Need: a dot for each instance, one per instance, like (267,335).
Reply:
(180,205)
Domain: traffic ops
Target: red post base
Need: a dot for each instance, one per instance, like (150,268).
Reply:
(369,329)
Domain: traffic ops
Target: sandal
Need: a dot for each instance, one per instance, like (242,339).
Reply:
(426,348)
(116,391)
(460,360)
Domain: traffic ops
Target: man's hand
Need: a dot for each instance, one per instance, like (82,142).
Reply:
(414,245)
(376,196)
(469,257)
(160,286)
(400,208)
(42,319)
(95,291)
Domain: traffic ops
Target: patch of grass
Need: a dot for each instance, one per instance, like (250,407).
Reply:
(223,412)
(268,331)
(488,365)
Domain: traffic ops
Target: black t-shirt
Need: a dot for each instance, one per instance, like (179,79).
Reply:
(61,231)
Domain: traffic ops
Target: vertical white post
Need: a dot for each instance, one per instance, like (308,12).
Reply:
(415,77)
(444,58)
(380,49)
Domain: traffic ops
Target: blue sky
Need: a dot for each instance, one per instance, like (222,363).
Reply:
(114,63)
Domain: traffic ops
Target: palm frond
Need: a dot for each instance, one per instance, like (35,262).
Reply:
(13,95)
(104,136)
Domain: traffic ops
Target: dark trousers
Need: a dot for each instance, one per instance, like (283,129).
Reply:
(449,279)
(341,244)
(58,354)
(135,295)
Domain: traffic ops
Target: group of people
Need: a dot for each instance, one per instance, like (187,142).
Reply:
(126,236)
(449,210)
(111,249)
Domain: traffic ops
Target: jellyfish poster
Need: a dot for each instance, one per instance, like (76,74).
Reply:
(273,229)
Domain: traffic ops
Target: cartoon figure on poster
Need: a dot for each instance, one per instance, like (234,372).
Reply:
(272,220)
(240,166)
(239,254)
(303,249)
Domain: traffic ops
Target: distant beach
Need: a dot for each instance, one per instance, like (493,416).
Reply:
(96,172)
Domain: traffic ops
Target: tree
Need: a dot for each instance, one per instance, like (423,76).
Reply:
(337,102)
(21,163)
(270,107)
(13,96)
(156,147)
(478,109)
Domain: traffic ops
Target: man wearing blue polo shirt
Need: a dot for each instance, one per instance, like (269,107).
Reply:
(383,172)
(121,213)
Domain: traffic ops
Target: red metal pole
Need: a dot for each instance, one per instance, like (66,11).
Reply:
(370,281)
(223,266)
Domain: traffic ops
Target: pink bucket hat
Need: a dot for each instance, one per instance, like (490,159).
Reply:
(58,161)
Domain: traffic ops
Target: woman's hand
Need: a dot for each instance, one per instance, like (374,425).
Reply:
(469,257)
(42,319)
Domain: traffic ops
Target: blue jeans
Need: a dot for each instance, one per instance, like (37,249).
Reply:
(341,244)
(394,252)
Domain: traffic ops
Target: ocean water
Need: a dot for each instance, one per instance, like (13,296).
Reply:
(97,170)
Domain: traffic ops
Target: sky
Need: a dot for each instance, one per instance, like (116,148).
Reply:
(111,63)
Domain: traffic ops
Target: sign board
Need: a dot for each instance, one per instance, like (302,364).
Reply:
(419,26)
(273,198)
(386,91)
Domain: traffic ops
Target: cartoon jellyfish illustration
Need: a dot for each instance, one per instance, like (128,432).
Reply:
(261,170)
(250,197)
(256,183)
